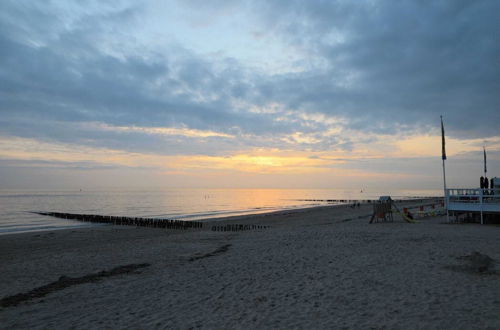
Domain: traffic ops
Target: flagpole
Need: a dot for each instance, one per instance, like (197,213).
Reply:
(484,153)
(443,156)
(482,190)
(445,197)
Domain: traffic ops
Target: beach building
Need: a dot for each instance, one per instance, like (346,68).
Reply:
(480,203)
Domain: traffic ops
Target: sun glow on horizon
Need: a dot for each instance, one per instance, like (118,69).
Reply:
(258,160)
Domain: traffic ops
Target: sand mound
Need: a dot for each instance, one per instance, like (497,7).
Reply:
(477,262)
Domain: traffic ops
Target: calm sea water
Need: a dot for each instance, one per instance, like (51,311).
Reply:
(187,204)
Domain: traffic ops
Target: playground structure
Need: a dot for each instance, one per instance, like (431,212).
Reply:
(385,207)
(382,210)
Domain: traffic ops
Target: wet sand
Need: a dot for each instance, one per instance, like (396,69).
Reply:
(323,267)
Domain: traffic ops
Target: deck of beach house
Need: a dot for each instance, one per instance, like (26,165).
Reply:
(480,202)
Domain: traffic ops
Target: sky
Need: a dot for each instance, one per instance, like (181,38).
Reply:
(248,94)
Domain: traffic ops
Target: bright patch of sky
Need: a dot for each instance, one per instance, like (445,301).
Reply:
(216,34)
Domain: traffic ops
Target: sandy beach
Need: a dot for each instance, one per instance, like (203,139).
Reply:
(317,268)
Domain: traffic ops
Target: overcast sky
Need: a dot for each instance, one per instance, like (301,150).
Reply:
(307,94)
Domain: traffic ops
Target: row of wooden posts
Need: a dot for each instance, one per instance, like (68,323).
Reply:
(127,221)
(148,222)
(348,201)
(235,227)
(338,200)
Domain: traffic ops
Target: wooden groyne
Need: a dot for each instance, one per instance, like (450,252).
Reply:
(235,227)
(149,222)
(369,201)
(127,221)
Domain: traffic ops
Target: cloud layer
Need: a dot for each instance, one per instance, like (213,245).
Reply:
(188,79)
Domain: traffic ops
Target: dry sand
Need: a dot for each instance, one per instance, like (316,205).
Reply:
(318,268)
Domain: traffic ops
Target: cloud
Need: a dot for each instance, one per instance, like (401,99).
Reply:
(66,165)
(82,84)
(407,61)
(340,79)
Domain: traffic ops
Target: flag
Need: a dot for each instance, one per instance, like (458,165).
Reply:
(443,153)
(484,151)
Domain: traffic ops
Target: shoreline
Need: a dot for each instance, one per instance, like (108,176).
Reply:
(231,218)
(403,203)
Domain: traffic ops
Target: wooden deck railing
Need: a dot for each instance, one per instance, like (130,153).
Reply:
(473,200)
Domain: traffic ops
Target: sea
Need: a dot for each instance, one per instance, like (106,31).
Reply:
(16,206)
